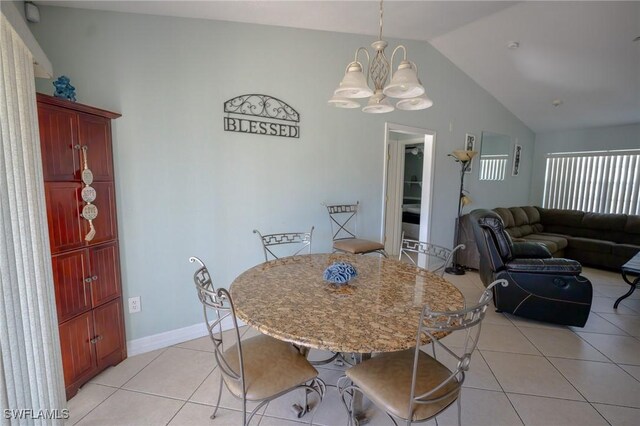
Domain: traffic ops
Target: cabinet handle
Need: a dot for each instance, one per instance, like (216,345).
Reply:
(94,278)
(88,280)
(96,339)
(77,146)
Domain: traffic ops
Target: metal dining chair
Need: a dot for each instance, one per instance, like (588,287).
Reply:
(272,242)
(411,385)
(258,369)
(343,219)
(411,249)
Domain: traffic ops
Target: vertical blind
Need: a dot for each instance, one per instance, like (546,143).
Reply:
(600,182)
(493,167)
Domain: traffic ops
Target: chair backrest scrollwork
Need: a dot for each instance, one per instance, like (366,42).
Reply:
(343,219)
(410,249)
(217,308)
(433,326)
(300,240)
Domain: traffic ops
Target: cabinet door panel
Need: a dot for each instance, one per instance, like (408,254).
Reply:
(95,133)
(72,292)
(78,353)
(105,268)
(63,215)
(58,137)
(105,223)
(109,333)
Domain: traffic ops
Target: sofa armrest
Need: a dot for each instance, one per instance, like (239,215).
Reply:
(530,251)
(544,266)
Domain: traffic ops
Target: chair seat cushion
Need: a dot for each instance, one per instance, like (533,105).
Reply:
(271,366)
(545,266)
(386,380)
(357,246)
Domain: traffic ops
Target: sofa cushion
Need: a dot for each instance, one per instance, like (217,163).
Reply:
(626,251)
(606,222)
(519,216)
(589,244)
(506,216)
(631,234)
(554,243)
(564,218)
(533,214)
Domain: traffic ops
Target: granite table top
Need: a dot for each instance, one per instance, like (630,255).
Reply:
(378,311)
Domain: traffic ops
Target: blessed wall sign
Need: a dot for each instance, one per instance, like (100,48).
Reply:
(261,115)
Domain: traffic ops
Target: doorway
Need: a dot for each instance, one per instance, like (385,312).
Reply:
(408,186)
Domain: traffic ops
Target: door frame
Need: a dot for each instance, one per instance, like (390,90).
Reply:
(428,176)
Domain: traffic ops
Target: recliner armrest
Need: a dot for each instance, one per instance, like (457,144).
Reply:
(545,266)
(528,250)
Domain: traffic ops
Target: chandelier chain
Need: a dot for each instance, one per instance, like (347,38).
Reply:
(381,20)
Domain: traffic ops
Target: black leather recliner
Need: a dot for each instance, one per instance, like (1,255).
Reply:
(540,287)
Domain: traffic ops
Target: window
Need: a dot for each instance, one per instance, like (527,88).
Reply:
(601,181)
(493,167)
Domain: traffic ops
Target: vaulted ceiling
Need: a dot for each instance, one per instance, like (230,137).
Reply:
(581,54)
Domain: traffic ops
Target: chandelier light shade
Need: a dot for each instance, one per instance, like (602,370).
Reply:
(381,82)
(339,102)
(412,104)
(463,156)
(378,104)
(354,83)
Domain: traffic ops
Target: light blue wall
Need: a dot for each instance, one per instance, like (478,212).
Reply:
(590,139)
(185,187)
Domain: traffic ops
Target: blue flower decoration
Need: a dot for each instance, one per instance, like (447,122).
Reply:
(340,273)
(64,89)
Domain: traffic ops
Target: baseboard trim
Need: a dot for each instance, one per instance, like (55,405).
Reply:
(171,337)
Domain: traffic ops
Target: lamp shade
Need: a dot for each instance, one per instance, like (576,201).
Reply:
(354,83)
(413,104)
(462,155)
(404,83)
(339,102)
(378,104)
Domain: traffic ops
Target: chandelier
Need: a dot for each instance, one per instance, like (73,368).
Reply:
(404,83)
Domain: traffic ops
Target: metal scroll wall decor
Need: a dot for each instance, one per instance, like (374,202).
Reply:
(261,115)
(88,194)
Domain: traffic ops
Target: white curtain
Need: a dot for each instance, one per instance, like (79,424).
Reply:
(30,362)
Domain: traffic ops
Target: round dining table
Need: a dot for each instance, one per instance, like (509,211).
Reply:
(378,311)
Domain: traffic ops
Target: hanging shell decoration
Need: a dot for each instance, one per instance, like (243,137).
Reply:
(88,194)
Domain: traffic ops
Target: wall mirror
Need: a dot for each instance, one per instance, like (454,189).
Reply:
(494,156)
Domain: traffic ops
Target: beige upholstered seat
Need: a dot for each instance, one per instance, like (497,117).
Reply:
(357,246)
(258,369)
(411,385)
(271,366)
(386,380)
(344,228)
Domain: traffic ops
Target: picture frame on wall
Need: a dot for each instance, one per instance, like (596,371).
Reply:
(517,152)
(469,145)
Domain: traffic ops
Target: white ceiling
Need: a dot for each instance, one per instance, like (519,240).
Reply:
(579,52)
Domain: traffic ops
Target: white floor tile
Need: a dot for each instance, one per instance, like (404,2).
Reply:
(132,409)
(504,338)
(619,416)
(529,374)
(605,305)
(601,382)
(634,370)
(620,349)
(597,324)
(481,408)
(119,374)
(176,373)
(562,343)
(479,375)
(88,397)
(196,414)
(539,411)
(629,323)
(207,394)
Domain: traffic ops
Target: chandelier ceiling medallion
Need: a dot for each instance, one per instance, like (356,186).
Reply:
(404,83)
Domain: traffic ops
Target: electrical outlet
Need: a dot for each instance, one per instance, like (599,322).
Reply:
(134,305)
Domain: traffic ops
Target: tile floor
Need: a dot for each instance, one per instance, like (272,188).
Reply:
(524,372)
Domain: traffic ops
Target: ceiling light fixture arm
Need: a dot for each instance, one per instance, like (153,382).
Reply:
(404,58)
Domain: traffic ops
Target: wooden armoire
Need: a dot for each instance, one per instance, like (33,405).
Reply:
(86,272)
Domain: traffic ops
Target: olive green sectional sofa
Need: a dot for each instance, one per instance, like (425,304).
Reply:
(594,239)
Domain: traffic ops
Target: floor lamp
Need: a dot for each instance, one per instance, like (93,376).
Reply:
(464,158)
